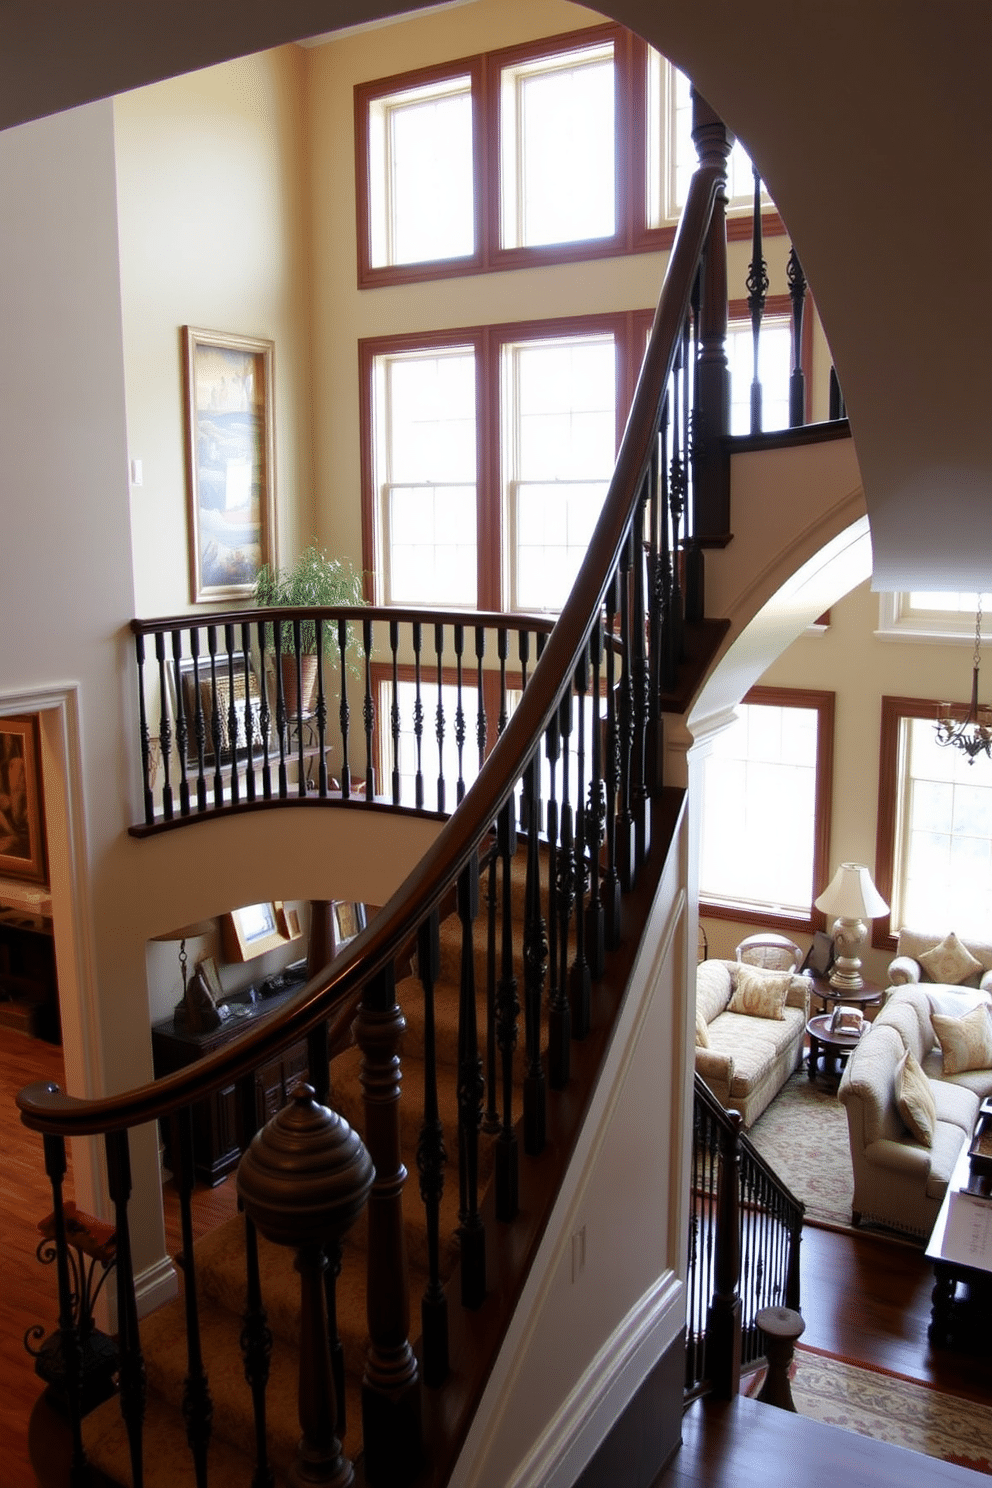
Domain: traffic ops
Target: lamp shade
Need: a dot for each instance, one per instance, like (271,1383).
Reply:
(851,895)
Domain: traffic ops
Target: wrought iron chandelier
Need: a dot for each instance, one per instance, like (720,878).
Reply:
(973,733)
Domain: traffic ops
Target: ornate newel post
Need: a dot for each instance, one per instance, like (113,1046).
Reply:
(304,1181)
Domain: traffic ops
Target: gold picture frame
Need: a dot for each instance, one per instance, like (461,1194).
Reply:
(22,824)
(230,461)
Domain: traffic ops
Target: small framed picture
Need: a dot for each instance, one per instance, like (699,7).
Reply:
(22,830)
(230,461)
(256,928)
(349,919)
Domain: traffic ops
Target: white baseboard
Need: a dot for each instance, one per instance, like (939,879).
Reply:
(155,1285)
(607,1387)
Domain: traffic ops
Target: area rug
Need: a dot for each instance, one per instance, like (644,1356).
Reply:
(802,1135)
(891,1408)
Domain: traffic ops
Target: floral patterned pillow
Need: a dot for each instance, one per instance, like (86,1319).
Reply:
(950,962)
(760,994)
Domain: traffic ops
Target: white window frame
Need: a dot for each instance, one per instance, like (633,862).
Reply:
(900,619)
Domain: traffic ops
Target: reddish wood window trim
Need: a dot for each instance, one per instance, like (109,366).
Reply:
(488,343)
(632,235)
(824,704)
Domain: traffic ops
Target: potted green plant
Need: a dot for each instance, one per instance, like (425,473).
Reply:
(313,580)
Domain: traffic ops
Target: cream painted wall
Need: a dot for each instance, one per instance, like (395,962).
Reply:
(213,222)
(851,659)
(343,314)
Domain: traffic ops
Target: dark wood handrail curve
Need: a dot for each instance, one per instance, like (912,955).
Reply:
(336,992)
(515,620)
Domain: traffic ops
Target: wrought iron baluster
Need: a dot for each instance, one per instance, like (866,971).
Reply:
(625,830)
(797,381)
(182,728)
(431,1158)
(507,1011)
(480,721)
(131,1376)
(559,1024)
(439,713)
(232,714)
(418,715)
(566,869)
(143,734)
(164,728)
(301,769)
(490,1121)
(471,1231)
(595,818)
(394,712)
(344,712)
(502,651)
(216,731)
(459,640)
(199,721)
(535,972)
(757,289)
(580,981)
(611,881)
(368,712)
(640,793)
(70,1342)
(256,1335)
(281,711)
(197,1406)
(249,714)
(264,715)
(321,714)
(693,586)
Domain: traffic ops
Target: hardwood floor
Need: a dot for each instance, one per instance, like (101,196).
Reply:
(863,1298)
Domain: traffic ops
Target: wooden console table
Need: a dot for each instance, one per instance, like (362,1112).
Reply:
(961,1301)
(217,1137)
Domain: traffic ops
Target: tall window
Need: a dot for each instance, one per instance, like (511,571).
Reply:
(489,452)
(774,369)
(424,424)
(935,826)
(568,147)
(766,809)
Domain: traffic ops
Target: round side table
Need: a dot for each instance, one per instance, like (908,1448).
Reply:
(834,1047)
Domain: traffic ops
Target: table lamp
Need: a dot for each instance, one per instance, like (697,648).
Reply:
(853,899)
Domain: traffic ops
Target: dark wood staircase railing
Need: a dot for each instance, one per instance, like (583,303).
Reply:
(745,1230)
(567,823)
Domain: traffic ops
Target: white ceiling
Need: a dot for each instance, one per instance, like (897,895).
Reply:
(871,123)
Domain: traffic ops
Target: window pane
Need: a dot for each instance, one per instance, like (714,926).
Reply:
(429,767)
(420,151)
(557,157)
(740,173)
(759,809)
(944,837)
(774,370)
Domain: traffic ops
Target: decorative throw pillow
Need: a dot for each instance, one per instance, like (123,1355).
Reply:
(950,962)
(966,1043)
(702,1030)
(759,993)
(914,1099)
(954,1002)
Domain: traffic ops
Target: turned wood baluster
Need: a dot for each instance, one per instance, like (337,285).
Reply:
(131,1382)
(143,734)
(757,289)
(640,794)
(535,972)
(321,707)
(164,728)
(70,1343)
(394,711)
(580,981)
(368,712)
(439,713)
(344,712)
(480,721)
(249,713)
(196,1405)
(459,639)
(595,818)
(626,846)
(232,714)
(182,726)
(723,1322)
(713,145)
(418,715)
(431,1158)
(507,1011)
(797,382)
(471,1232)
(391,1423)
(611,881)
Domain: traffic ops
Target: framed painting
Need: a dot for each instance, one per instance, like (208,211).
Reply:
(256,928)
(22,830)
(230,462)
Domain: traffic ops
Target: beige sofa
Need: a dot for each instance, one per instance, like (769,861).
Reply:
(748,1059)
(898,1181)
(908,970)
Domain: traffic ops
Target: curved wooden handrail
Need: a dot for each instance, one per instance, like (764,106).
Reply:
(378,614)
(335,992)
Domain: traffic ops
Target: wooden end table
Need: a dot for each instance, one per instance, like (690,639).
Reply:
(870,995)
(834,1047)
